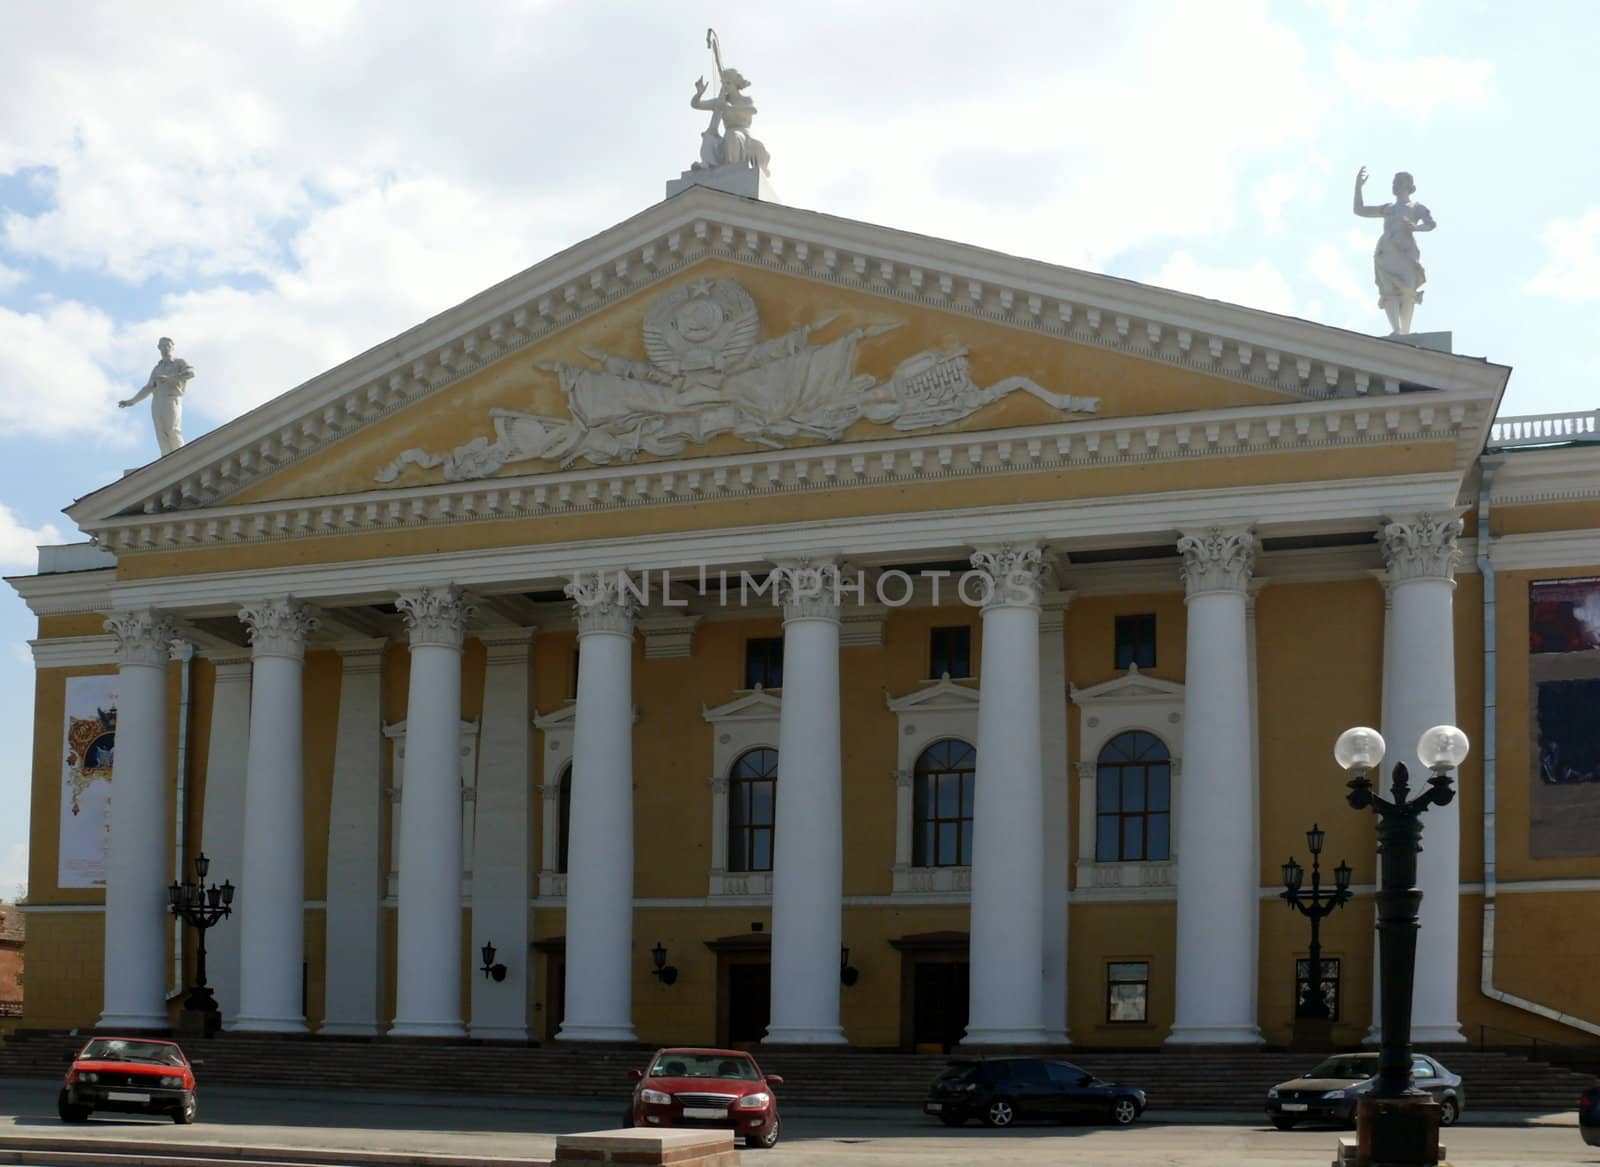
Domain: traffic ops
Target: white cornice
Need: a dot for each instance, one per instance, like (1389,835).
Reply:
(1132,688)
(69,594)
(1523,476)
(1063,522)
(757,705)
(943,695)
(73,651)
(1553,550)
(1296,357)
(1163,438)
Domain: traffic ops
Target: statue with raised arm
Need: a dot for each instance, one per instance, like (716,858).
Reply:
(726,140)
(1397,264)
(165,388)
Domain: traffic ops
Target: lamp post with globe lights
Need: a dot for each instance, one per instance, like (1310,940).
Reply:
(1312,1019)
(1396,1122)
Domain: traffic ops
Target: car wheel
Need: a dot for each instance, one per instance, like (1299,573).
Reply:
(953,1119)
(186,1113)
(69,1112)
(999,1112)
(1124,1111)
(1285,1124)
(1449,1111)
(764,1142)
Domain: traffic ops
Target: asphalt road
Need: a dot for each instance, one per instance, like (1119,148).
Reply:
(523,1127)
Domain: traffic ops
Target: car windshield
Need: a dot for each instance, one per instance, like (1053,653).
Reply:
(1345,1067)
(683,1065)
(116,1049)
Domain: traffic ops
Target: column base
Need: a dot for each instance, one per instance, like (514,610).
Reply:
(1214,1035)
(348,1029)
(612,1033)
(804,1035)
(427,1029)
(1437,1035)
(498,1032)
(122,1021)
(1005,1036)
(269,1025)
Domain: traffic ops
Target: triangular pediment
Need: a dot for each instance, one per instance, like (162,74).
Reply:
(757,705)
(1133,687)
(638,349)
(943,696)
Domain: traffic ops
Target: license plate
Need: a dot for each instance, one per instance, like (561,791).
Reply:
(705,1112)
(933,1108)
(126,1096)
(1294,1106)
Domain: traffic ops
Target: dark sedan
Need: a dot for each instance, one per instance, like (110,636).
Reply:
(1328,1092)
(1589,1116)
(1001,1091)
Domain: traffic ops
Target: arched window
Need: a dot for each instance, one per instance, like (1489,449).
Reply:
(752,795)
(942,805)
(1133,799)
(564,816)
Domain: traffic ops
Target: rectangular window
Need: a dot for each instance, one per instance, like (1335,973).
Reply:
(1128,991)
(1330,986)
(1136,640)
(763,662)
(950,652)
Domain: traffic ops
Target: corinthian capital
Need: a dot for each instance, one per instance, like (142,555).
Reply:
(144,637)
(603,602)
(435,617)
(1421,547)
(1012,572)
(1219,559)
(278,627)
(808,589)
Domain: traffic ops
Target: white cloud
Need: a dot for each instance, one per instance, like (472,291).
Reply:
(1572,271)
(1417,85)
(10,278)
(1258,286)
(53,371)
(1280,188)
(1339,271)
(19,541)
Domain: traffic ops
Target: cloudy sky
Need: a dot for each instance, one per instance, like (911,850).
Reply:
(280,185)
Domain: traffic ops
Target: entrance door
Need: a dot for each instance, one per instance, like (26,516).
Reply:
(939,1004)
(555,1002)
(749,1003)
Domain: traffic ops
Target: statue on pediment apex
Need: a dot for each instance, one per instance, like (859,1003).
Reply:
(165,388)
(1397,261)
(727,140)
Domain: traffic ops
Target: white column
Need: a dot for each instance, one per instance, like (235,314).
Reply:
(1007,961)
(222,818)
(500,858)
(808,841)
(599,1005)
(1421,553)
(355,876)
(272,875)
(1253,589)
(1218,909)
(1057,813)
(136,919)
(428,927)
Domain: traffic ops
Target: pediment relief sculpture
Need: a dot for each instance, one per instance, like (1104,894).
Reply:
(710,374)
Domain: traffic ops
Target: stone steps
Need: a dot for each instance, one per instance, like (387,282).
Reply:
(1189,1079)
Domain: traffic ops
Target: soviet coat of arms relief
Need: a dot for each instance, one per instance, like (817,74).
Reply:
(709,373)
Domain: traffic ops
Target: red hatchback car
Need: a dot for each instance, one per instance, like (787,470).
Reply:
(131,1075)
(720,1088)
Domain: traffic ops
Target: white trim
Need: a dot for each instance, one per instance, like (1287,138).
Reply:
(556,759)
(1552,550)
(1291,356)
(748,722)
(66,652)
(940,710)
(66,595)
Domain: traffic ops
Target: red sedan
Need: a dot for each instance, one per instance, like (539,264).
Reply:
(130,1075)
(720,1088)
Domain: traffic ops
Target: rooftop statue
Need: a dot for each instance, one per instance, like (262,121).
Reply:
(727,140)
(165,388)
(1397,264)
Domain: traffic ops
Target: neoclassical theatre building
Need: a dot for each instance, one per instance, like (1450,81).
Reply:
(761,626)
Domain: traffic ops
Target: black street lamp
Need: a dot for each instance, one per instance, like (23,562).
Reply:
(849,974)
(490,969)
(1396,1122)
(201,908)
(662,971)
(1315,905)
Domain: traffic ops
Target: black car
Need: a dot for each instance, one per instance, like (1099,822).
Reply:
(1589,1116)
(1328,1092)
(1000,1091)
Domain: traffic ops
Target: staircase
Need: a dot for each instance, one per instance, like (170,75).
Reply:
(1223,1079)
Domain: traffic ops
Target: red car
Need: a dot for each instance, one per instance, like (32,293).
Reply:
(130,1075)
(720,1088)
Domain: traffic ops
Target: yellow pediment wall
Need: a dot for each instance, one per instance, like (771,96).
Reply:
(1126,385)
